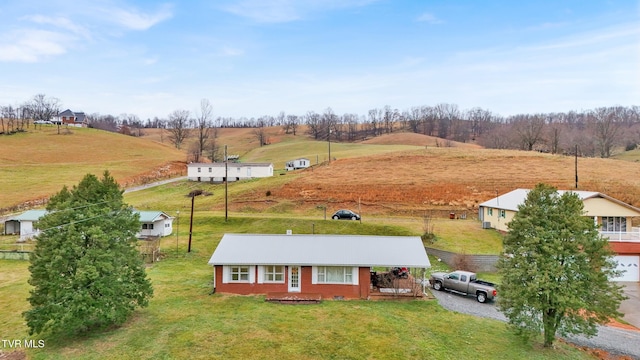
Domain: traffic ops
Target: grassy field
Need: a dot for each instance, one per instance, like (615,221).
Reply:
(37,163)
(393,181)
(184,320)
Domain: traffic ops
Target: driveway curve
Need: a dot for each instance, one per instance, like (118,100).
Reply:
(614,340)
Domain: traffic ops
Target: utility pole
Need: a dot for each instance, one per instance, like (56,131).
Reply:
(576,166)
(177,229)
(192,195)
(226,181)
(329,138)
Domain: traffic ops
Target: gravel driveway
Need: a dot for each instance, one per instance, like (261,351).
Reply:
(614,340)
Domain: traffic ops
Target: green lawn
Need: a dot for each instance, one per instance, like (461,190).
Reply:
(184,320)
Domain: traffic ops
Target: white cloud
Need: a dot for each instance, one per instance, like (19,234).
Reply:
(136,20)
(229,52)
(429,18)
(59,22)
(279,11)
(29,45)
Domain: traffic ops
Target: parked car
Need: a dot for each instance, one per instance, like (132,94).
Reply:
(345,215)
(464,282)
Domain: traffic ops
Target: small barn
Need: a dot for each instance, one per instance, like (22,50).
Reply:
(219,172)
(301,163)
(24,224)
(322,266)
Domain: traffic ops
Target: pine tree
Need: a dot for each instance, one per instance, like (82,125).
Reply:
(86,272)
(556,269)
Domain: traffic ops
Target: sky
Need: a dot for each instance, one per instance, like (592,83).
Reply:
(251,58)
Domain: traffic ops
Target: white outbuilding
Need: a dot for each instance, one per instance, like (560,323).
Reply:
(301,163)
(218,172)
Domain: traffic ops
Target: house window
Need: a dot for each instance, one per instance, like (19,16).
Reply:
(198,169)
(147,226)
(334,275)
(614,223)
(503,214)
(144,226)
(239,273)
(490,211)
(210,169)
(274,273)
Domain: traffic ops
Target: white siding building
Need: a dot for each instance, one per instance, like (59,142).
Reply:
(215,172)
(301,163)
(152,223)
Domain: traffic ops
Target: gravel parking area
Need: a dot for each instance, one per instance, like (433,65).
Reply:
(611,339)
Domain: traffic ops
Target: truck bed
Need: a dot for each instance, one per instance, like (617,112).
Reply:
(482,282)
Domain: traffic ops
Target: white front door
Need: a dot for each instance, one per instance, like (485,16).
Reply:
(294,278)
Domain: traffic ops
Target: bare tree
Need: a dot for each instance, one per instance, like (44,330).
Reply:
(178,127)
(529,129)
(203,125)
(43,108)
(259,132)
(292,124)
(389,118)
(606,129)
(375,121)
(313,124)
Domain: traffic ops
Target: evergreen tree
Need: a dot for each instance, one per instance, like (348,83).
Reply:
(86,272)
(556,269)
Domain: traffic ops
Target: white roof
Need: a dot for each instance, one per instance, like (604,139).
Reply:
(231,164)
(328,250)
(512,199)
(30,215)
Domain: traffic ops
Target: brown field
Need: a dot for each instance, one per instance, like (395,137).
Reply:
(449,179)
(457,177)
(405,138)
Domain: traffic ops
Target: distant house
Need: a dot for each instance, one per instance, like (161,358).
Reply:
(71,118)
(326,266)
(152,223)
(301,163)
(215,172)
(24,224)
(155,223)
(612,215)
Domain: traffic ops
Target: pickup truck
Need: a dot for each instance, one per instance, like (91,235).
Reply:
(464,282)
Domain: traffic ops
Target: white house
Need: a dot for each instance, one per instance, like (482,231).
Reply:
(152,223)
(216,172)
(301,163)
(155,223)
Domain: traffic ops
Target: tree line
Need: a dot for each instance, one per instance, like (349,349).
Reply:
(597,132)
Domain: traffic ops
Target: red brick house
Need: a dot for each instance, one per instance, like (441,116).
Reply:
(327,266)
(69,117)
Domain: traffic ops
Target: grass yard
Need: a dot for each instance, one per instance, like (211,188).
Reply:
(185,321)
